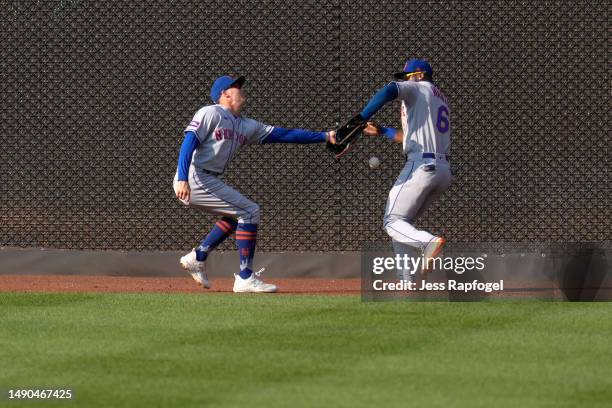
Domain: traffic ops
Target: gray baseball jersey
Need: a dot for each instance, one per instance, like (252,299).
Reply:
(221,134)
(425,118)
(426,123)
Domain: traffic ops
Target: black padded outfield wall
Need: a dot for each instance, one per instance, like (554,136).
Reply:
(95,96)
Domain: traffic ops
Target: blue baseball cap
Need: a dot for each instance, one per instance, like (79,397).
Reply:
(221,84)
(414,65)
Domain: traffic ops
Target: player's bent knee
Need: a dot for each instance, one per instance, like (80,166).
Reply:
(392,231)
(254,214)
(386,223)
(388,220)
(391,227)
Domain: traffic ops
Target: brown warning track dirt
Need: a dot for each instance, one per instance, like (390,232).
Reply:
(80,283)
(304,286)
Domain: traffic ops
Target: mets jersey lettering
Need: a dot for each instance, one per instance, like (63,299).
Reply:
(229,134)
(221,134)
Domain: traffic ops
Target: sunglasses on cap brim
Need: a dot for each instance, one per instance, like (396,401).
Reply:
(409,75)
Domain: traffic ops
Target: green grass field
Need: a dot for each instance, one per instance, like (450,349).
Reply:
(129,350)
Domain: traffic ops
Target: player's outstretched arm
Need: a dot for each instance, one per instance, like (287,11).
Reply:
(350,132)
(301,136)
(373,129)
(386,94)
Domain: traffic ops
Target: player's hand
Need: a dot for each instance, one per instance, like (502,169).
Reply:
(372,129)
(331,137)
(183,190)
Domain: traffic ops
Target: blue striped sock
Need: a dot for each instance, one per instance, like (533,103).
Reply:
(246,238)
(222,229)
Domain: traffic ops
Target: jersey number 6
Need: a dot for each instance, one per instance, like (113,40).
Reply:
(443,123)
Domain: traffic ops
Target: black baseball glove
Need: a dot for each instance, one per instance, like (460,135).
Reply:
(347,135)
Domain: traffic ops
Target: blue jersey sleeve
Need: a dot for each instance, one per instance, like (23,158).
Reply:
(281,135)
(190,143)
(386,94)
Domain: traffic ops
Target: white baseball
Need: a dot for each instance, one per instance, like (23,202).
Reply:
(374,162)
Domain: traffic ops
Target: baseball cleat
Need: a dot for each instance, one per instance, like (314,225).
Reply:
(432,250)
(196,269)
(253,284)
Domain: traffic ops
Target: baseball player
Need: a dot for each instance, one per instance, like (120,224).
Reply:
(426,139)
(211,140)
